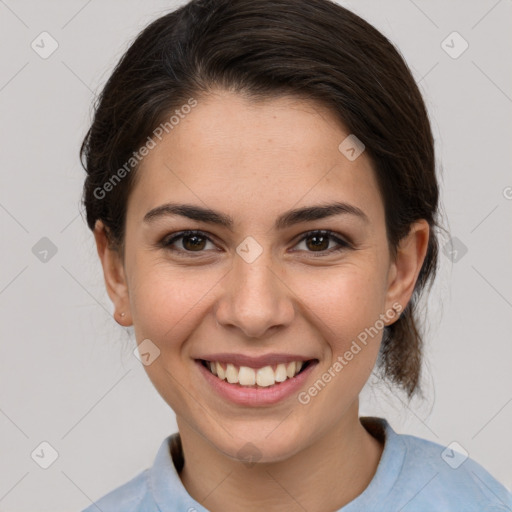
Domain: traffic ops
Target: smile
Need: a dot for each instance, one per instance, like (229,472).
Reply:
(257,385)
(255,377)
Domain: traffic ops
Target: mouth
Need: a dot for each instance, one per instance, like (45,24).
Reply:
(264,386)
(269,376)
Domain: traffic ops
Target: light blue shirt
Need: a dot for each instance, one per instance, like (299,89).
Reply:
(413,475)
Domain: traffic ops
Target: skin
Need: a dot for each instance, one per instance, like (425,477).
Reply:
(254,161)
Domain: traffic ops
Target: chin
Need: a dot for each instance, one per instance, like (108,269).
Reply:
(258,444)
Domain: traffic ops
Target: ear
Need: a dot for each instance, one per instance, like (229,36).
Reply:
(114,274)
(404,271)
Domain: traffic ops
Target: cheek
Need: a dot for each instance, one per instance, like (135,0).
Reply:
(344,305)
(342,301)
(167,306)
(166,303)
(169,302)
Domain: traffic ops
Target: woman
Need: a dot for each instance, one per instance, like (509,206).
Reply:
(262,190)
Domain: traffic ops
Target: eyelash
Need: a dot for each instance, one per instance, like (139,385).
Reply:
(167,242)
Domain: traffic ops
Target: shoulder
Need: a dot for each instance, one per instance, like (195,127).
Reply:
(446,476)
(152,489)
(129,497)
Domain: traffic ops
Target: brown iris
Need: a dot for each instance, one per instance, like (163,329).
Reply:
(319,242)
(193,242)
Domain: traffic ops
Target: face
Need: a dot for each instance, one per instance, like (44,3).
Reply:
(260,278)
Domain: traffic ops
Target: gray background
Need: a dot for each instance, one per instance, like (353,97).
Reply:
(68,375)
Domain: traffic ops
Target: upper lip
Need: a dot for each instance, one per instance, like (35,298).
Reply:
(254,361)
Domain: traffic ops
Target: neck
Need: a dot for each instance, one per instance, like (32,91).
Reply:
(324,476)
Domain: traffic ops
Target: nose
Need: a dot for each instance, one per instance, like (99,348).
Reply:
(255,298)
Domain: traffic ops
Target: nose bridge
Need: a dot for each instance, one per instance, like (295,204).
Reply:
(255,299)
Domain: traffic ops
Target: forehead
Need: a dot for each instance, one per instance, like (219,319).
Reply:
(233,153)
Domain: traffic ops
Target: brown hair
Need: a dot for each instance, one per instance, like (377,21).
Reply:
(263,48)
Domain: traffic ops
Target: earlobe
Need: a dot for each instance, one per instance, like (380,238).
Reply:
(407,265)
(114,274)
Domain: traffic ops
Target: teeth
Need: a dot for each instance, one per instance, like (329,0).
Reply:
(231,374)
(246,376)
(281,375)
(290,369)
(220,371)
(262,377)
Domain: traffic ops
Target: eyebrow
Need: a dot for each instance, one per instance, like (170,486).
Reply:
(306,214)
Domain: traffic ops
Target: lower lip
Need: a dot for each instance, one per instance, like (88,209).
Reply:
(256,396)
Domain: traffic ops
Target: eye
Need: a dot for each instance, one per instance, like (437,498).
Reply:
(320,240)
(191,241)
